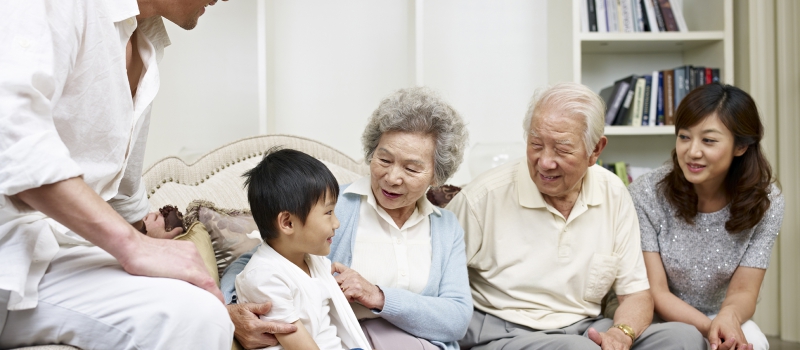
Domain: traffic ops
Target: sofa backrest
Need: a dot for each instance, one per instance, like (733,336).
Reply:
(217,176)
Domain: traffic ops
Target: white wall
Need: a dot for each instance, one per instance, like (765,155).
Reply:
(330,63)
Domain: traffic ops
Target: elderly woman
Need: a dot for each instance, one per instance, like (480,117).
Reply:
(400,260)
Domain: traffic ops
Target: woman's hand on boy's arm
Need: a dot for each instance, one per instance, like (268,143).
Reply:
(253,332)
(357,288)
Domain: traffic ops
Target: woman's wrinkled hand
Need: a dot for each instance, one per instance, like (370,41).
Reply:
(356,288)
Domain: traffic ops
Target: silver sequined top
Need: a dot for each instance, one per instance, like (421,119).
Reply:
(700,259)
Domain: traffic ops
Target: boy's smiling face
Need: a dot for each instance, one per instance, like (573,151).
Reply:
(316,235)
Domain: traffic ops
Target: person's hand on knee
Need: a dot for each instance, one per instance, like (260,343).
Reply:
(613,339)
(253,332)
(726,333)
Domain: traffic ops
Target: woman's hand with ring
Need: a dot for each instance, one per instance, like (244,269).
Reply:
(356,288)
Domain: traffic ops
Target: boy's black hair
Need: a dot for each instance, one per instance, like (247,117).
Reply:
(286,180)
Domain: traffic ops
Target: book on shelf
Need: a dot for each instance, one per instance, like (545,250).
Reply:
(652,121)
(649,16)
(669,97)
(638,19)
(646,100)
(677,10)
(638,102)
(680,89)
(612,16)
(658,17)
(600,10)
(615,96)
(592,15)
(668,15)
(626,16)
(622,172)
(660,101)
(715,75)
(708,75)
(584,17)
(623,116)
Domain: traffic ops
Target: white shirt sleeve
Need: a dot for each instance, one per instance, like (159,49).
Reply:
(31,150)
(265,284)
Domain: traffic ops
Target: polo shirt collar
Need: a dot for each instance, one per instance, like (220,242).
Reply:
(530,197)
(363,187)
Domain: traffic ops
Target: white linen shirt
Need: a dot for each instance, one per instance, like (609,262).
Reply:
(65,111)
(387,255)
(530,266)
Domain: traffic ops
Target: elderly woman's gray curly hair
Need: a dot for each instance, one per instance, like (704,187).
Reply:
(420,110)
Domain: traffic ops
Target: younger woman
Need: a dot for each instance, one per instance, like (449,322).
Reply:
(710,218)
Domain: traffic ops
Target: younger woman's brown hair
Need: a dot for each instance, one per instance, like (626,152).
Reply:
(748,180)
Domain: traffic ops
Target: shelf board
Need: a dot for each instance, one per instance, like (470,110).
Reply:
(639,130)
(647,42)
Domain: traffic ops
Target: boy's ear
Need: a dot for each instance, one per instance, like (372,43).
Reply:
(285,224)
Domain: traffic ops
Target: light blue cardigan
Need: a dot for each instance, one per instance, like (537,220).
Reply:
(441,312)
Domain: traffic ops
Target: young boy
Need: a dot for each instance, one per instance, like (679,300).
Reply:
(292,196)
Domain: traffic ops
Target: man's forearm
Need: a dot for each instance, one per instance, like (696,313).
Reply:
(635,310)
(73,204)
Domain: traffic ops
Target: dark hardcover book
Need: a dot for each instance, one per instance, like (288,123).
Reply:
(648,86)
(660,99)
(659,18)
(715,75)
(699,76)
(669,17)
(616,100)
(687,86)
(623,116)
(680,92)
(669,97)
(592,16)
(709,79)
(692,79)
(645,21)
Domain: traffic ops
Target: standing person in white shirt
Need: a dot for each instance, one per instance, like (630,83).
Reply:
(77,81)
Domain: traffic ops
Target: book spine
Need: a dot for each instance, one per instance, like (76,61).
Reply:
(660,104)
(619,96)
(592,15)
(680,92)
(669,97)
(638,103)
(709,78)
(677,11)
(627,16)
(638,17)
(646,96)
(700,76)
(659,16)
(600,7)
(653,99)
(715,75)
(692,78)
(687,86)
(651,15)
(669,17)
(611,15)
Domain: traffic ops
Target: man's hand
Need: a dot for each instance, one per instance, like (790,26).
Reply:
(613,339)
(154,223)
(251,331)
(356,288)
(146,256)
(726,333)
(72,203)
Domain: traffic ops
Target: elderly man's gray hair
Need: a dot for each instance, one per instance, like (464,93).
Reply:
(570,99)
(420,110)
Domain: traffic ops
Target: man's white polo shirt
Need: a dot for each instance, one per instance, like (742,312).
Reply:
(529,266)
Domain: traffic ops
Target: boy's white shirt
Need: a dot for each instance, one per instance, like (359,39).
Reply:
(296,296)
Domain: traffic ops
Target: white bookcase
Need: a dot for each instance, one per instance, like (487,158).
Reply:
(598,59)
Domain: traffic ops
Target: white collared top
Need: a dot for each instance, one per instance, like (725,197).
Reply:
(388,255)
(65,111)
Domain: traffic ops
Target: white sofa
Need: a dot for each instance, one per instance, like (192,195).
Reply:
(216,176)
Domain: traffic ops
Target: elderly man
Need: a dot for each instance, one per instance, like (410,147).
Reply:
(548,237)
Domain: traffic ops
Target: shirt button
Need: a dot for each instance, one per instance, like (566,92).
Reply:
(130,21)
(403,273)
(397,240)
(24,43)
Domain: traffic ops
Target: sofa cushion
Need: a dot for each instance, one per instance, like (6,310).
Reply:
(231,230)
(198,235)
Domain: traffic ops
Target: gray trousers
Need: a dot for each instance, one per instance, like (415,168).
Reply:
(86,300)
(386,336)
(489,332)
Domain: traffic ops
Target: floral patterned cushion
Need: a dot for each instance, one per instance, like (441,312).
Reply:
(232,231)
